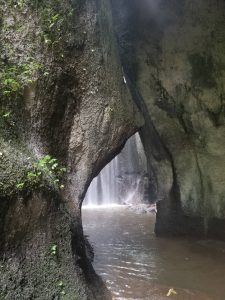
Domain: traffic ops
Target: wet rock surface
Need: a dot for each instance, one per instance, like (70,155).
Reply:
(162,75)
(143,208)
(173,61)
(81,113)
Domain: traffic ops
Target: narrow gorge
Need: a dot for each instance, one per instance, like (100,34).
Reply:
(78,81)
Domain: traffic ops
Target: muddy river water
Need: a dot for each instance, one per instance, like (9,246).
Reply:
(136,265)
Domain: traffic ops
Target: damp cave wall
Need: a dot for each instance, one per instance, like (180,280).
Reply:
(80,111)
(172,53)
(73,106)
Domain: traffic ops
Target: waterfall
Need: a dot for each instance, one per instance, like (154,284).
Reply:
(124,180)
(103,188)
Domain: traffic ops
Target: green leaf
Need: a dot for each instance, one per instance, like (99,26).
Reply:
(60,284)
(20,185)
(63,170)
(52,161)
(31,175)
(55,18)
(54,247)
(7,114)
(54,166)
(6,93)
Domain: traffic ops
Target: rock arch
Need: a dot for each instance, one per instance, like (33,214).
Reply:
(163,74)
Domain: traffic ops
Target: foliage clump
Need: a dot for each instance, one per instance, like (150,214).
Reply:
(30,32)
(14,78)
(34,37)
(21,173)
(45,172)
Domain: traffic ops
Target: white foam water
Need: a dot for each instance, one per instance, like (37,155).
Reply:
(121,181)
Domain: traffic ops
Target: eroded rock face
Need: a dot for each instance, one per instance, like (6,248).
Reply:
(173,57)
(82,112)
(79,111)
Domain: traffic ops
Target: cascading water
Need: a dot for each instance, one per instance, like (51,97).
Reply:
(124,180)
(103,187)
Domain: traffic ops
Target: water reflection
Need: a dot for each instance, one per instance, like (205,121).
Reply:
(137,265)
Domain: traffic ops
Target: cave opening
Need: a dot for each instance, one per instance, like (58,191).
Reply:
(118,215)
(124,181)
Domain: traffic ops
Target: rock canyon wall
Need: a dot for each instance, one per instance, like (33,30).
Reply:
(78,79)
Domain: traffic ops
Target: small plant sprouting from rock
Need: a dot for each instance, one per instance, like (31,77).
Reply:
(6,118)
(19,4)
(20,185)
(6,115)
(14,78)
(62,288)
(53,250)
(45,170)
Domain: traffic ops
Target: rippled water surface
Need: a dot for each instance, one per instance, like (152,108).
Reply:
(137,265)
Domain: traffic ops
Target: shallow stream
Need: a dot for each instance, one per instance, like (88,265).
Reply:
(136,265)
